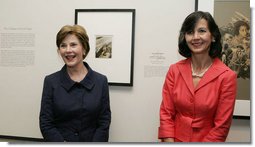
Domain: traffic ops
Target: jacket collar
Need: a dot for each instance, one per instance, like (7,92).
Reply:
(213,72)
(68,83)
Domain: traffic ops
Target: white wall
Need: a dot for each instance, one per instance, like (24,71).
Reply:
(240,131)
(135,110)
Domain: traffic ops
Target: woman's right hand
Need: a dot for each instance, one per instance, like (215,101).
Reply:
(166,140)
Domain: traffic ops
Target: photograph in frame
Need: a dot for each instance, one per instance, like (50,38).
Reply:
(103,46)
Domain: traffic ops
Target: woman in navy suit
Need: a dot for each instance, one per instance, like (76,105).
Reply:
(75,102)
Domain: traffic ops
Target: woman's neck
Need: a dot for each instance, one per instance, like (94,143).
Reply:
(199,63)
(77,73)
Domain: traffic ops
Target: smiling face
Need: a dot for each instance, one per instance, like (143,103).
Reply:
(199,39)
(71,51)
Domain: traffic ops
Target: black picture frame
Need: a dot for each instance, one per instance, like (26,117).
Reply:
(111,33)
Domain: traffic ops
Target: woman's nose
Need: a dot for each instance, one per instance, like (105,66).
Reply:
(195,35)
(68,48)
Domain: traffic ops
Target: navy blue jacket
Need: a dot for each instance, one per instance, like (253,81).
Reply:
(72,111)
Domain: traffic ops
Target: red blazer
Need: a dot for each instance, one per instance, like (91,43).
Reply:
(201,114)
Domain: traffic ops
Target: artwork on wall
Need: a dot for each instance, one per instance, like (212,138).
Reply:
(111,37)
(103,46)
(233,18)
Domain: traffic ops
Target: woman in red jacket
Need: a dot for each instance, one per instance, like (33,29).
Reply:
(199,92)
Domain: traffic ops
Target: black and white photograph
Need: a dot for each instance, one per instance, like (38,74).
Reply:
(103,46)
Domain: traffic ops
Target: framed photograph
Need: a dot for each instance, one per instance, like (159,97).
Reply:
(233,18)
(111,38)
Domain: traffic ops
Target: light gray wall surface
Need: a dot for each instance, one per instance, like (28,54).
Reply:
(135,110)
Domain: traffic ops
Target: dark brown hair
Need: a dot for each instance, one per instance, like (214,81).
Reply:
(238,24)
(189,25)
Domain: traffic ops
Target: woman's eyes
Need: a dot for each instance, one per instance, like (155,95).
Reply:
(73,44)
(190,32)
(199,31)
(62,45)
(65,45)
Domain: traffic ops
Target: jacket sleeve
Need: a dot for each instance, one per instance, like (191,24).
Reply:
(47,127)
(167,108)
(224,112)
(104,119)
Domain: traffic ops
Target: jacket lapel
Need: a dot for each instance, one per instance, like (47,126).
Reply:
(88,81)
(66,82)
(185,71)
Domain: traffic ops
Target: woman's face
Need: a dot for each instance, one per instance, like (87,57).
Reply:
(199,39)
(243,31)
(71,51)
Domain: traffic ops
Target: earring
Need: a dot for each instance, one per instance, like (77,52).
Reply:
(213,40)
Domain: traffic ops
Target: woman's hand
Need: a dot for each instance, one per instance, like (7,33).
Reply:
(166,140)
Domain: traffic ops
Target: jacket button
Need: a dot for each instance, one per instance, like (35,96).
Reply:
(192,100)
(76,134)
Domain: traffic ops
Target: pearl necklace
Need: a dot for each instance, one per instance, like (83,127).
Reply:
(200,75)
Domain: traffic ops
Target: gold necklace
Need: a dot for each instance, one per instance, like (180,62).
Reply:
(200,75)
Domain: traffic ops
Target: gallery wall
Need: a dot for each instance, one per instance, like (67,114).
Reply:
(135,110)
